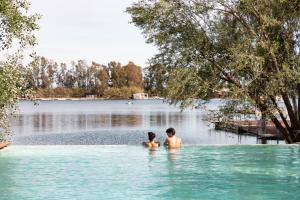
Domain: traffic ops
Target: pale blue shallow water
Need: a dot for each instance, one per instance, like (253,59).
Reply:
(132,172)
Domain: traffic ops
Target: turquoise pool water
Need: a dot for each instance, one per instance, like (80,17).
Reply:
(132,172)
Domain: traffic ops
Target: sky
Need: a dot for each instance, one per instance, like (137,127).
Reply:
(93,30)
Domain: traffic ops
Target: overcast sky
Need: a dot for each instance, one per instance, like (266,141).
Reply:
(94,30)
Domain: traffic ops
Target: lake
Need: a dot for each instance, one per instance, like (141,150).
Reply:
(114,122)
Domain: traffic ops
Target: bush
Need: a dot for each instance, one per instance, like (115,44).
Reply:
(109,93)
(121,93)
(60,92)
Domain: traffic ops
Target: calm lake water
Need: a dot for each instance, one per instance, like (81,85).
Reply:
(114,122)
(238,172)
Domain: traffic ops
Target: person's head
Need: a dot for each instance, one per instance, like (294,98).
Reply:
(151,136)
(170,132)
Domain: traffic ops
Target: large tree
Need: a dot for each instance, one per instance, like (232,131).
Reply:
(250,47)
(133,75)
(16,33)
(118,74)
(103,79)
(48,71)
(155,79)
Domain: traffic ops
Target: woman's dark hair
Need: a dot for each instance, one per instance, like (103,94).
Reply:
(171,130)
(151,136)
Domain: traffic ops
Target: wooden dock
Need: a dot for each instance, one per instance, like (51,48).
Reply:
(250,128)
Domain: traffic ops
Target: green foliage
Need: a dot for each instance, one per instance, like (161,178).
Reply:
(12,86)
(155,80)
(250,47)
(16,31)
(118,75)
(16,23)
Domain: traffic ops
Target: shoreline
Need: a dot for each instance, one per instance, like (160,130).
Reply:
(83,99)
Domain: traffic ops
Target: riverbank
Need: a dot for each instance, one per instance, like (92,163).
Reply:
(84,99)
(78,93)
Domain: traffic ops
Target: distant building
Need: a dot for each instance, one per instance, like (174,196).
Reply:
(90,96)
(140,96)
(222,93)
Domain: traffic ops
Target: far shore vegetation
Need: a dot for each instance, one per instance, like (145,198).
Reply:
(50,79)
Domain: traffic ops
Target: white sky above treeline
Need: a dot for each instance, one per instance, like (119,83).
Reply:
(92,30)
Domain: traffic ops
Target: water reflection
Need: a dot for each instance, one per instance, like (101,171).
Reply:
(109,122)
(173,154)
(49,122)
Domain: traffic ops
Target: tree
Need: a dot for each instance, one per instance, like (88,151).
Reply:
(16,27)
(250,47)
(35,76)
(133,75)
(61,75)
(81,73)
(155,80)
(48,70)
(103,79)
(70,79)
(118,75)
(92,75)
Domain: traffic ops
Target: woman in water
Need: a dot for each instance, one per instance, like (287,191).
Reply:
(152,143)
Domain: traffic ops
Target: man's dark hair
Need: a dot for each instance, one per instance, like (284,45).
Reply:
(151,136)
(171,130)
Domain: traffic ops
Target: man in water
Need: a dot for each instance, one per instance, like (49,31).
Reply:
(172,141)
(152,143)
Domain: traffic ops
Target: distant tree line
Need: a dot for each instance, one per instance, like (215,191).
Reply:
(51,79)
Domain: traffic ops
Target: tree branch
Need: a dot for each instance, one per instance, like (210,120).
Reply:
(278,125)
(281,114)
(294,122)
(237,16)
(295,108)
(298,90)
